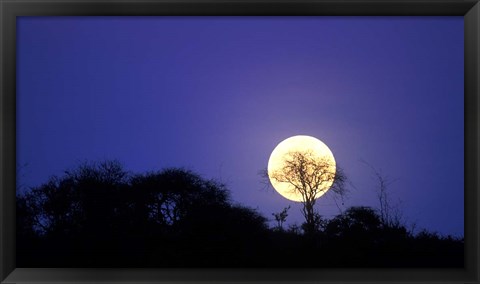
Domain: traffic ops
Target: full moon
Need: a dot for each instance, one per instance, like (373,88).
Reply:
(299,143)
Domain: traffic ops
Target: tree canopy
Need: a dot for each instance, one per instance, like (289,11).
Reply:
(310,177)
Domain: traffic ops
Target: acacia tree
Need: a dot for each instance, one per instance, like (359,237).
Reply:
(309,176)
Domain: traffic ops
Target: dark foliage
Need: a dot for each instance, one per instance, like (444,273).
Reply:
(98,215)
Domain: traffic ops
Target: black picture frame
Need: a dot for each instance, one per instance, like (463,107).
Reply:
(10,9)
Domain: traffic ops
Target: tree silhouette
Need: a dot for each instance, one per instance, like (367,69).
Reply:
(99,215)
(309,176)
(167,218)
(389,212)
(281,217)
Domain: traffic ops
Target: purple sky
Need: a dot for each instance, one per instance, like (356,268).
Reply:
(217,94)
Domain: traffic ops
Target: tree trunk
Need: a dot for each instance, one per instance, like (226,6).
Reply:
(309,218)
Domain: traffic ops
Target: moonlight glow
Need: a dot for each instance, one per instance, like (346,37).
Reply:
(300,143)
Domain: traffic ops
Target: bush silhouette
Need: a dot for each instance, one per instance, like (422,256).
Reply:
(100,215)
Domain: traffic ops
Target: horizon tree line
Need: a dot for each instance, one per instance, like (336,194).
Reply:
(175,218)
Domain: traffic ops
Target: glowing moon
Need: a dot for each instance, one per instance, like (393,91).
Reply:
(301,143)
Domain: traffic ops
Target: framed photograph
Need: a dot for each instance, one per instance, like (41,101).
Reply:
(228,141)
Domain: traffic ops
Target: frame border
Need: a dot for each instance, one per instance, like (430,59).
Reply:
(10,9)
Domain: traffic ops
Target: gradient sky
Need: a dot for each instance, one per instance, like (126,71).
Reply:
(217,94)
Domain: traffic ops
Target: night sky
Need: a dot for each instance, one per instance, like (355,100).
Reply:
(217,94)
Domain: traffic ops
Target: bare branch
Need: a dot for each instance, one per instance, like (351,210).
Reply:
(389,214)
